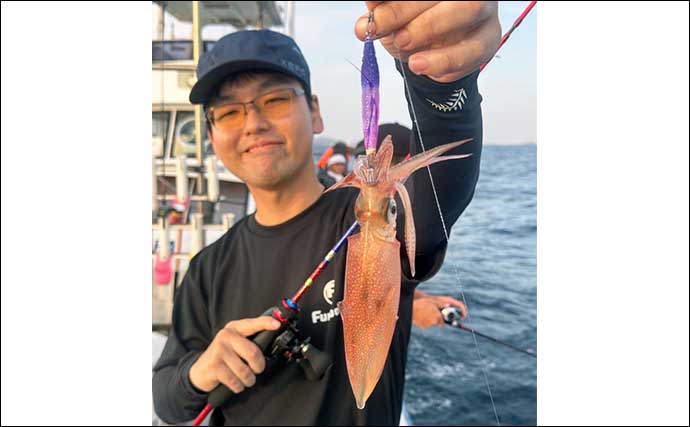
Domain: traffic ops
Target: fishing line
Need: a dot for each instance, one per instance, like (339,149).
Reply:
(517,22)
(445,233)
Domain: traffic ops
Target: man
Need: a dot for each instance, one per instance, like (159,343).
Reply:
(337,148)
(336,169)
(255,87)
(337,166)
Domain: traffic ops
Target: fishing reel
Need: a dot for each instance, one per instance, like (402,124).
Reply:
(452,316)
(289,345)
(286,344)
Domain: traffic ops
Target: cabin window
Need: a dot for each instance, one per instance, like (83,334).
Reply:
(159,132)
(176,50)
(184,139)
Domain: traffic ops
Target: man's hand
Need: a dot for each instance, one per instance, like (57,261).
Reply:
(231,358)
(426,309)
(443,40)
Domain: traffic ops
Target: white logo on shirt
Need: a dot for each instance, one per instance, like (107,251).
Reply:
(318,316)
(456,101)
(328,291)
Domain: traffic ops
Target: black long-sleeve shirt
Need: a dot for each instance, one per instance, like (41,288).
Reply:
(253,267)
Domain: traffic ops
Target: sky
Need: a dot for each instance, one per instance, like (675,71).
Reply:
(325,33)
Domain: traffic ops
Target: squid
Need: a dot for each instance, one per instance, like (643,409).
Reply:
(369,309)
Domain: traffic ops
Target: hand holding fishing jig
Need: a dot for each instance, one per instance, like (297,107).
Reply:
(442,40)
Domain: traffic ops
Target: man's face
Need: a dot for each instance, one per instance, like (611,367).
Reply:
(267,153)
(339,168)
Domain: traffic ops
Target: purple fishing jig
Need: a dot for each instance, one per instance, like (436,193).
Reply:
(370,94)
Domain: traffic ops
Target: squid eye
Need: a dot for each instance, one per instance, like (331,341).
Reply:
(392,211)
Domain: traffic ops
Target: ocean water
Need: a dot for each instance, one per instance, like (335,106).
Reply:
(492,255)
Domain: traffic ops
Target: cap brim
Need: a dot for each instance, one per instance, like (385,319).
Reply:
(202,89)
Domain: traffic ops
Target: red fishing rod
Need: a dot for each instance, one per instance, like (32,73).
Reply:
(517,22)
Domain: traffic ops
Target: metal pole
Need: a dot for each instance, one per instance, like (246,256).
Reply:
(290,19)
(260,24)
(161,21)
(196,37)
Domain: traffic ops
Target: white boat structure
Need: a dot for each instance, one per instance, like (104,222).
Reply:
(186,174)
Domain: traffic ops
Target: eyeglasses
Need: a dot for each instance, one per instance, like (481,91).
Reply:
(272,105)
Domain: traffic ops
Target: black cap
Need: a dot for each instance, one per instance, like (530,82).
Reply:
(248,50)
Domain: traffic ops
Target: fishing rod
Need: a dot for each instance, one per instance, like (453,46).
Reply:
(517,22)
(286,340)
(452,317)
